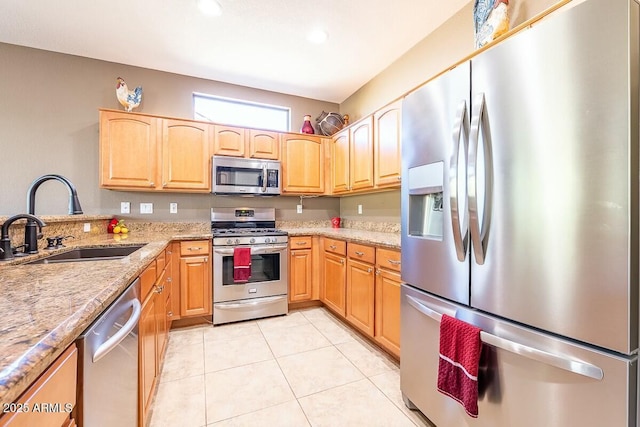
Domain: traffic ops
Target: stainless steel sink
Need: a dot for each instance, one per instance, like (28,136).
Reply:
(89,254)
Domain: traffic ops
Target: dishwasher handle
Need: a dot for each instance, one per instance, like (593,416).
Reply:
(106,347)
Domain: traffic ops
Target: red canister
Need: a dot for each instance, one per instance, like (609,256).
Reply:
(335,222)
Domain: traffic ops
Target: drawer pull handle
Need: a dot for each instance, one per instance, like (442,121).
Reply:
(301,243)
(393,262)
(334,247)
(359,253)
(194,248)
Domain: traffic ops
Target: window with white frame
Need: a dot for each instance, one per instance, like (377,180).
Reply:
(236,112)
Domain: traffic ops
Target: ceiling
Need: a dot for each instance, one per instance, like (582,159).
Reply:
(255,43)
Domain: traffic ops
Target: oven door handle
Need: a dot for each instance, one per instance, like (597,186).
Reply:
(255,250)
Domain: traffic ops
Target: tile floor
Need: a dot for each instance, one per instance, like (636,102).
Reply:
(303,369)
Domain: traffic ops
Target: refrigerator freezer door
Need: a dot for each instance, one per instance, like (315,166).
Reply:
(561,111)
(527,379)
(435,126)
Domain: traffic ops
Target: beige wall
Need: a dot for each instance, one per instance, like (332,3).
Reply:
(49,124)
(383,207)
(450,43)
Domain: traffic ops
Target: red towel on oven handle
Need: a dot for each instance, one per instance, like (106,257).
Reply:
(241,265)
(459,362)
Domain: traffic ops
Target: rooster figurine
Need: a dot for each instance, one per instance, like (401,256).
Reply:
(129,99)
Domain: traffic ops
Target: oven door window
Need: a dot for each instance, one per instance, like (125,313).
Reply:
(264,268)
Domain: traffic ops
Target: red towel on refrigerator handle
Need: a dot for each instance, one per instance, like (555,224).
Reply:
(459,362)
(241,265)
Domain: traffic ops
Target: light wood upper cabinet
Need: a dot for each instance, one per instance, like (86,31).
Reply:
(339,165)
(128,150)
(387,148)
(186,155)
(264,144)
(361,154)
(302,164)
(229,141)
(140,152)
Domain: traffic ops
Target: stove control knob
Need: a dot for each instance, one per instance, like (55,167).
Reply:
(237,241)
(267,240)
(229,241)
(252,240)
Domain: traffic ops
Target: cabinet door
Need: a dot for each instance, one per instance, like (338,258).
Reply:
(340,162)
(387,331)
(335,270)
(161,317)
(186,155)
(195,286)
(128,150)
(361,296)
(264,144)
(302,164)
(174,313)
(147,348)
(300,265)
(229,141)
(361,154)
(387,153)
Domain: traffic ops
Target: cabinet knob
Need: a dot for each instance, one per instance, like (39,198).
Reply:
(377,271)
(341,261)
(399,178)
(169,279)
(152,184)
(170,314)
(369,270)
(164,184)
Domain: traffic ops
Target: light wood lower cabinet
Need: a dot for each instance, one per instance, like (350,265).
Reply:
(300,269)
(153,328)
(195,278)
(387,332)
(49,401)
(335,275)
(364,290)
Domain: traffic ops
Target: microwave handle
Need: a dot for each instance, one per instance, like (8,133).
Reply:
(264,178)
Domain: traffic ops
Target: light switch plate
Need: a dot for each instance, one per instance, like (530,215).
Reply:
(173,208)
(87,227)
(360,209)
(299,208)
(146,208)
(125,207)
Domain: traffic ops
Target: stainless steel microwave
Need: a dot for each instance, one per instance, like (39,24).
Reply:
(245,177)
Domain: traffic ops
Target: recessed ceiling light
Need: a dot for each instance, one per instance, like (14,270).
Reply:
(210,7)
(317,36)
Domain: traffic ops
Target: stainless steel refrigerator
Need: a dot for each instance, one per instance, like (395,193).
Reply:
(520,214)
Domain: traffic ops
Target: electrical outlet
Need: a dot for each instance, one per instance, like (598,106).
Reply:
(146,208)
(299,208)
(359,209)
(87,227)
(173,208)
(125,207)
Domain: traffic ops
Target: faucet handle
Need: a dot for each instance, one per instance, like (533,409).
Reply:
(59,240)
(51,243)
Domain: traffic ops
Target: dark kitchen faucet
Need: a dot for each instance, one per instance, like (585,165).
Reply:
(6,251)
(31,229)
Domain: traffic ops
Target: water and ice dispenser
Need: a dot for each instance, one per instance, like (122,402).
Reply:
(426,200)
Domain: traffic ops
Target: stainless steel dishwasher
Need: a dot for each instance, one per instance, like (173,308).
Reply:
(108,365)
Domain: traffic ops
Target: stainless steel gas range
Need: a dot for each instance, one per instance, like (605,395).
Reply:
(264,292)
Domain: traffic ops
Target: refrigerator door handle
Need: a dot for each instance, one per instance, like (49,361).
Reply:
(479,231)
(460,128)
(559,361)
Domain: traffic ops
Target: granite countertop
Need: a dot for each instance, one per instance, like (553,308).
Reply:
(377,238)
(45,307)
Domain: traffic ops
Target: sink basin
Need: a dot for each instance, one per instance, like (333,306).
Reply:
(89,254)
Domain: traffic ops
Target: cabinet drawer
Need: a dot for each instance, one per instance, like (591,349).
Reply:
(195,247)
(362,253)
(300,242)
(160,262)
(387,258)
(335,246)
(147,280)
(55,388)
